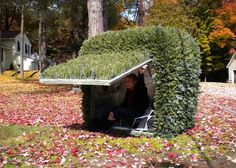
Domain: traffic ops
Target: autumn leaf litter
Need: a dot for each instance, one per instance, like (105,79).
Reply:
(50,110)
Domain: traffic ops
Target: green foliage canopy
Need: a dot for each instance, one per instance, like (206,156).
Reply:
(172,14)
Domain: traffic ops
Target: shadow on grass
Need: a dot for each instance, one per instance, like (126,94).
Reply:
(8,134)
(166,164)
(205,157)
(75,127)
(44,89)
(218,162)
(98,129)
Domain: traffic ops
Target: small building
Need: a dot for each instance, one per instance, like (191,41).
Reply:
(11,51)
(232,69)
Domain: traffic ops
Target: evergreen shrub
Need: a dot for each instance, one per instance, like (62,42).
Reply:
(176,62)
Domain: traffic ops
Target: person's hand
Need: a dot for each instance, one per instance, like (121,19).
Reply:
(142,70)
(111,117)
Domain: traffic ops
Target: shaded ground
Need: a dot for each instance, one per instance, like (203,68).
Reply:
(34,131)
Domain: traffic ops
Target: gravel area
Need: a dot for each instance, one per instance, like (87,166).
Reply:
(219,89)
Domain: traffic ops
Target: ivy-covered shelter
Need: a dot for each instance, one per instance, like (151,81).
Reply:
(103,61)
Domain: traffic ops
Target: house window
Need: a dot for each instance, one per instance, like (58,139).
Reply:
(26,48)
(1,50)
(234,79)
(29,49)
(18,46)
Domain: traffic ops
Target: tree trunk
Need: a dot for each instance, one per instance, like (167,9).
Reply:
(141,13)
(148,5)
(84,21)
(42,42)
(105,14)
(95,14)
(75,44)
(1,56)
(95,27)
(74,30)
(144,6)
(22,43)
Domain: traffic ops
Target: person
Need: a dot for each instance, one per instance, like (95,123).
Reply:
(136,99)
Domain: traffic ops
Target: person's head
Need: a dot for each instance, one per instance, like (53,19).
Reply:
(130,81)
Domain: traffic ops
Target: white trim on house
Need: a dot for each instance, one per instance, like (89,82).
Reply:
(12,52)
(92,81)
(231,69)
(233,76)
(231,60)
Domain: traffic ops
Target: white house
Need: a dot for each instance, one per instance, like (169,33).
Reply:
(11,50)
(232,69)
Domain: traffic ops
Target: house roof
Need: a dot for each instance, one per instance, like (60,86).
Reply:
(231,60)
(9,34)
(4,46)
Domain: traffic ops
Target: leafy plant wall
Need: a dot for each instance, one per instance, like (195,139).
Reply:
(176,61)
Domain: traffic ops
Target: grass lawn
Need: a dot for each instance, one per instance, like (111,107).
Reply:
(41,126)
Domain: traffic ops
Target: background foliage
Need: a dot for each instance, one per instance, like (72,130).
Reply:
(211,23)
(66,23)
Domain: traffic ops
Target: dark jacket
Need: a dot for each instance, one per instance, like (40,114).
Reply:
(140,99)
